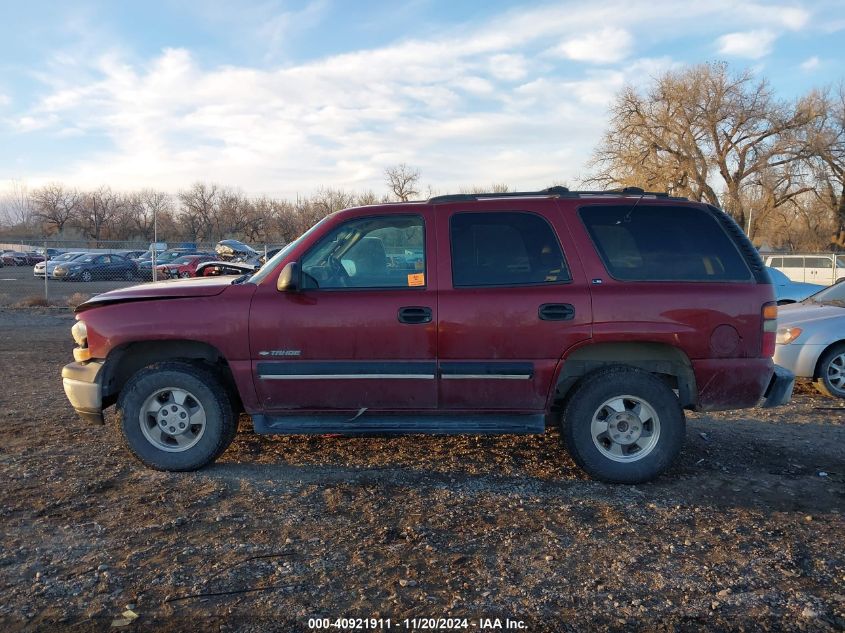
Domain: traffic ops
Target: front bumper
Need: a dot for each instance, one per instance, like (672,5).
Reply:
(799,358)
(779,391)
(84,388)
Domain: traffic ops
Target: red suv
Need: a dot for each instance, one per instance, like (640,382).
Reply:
(607,313)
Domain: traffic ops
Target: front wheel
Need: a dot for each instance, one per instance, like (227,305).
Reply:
(176,416)
(86,276)
(623,425)
(831,378)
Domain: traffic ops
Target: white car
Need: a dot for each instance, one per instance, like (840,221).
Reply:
(811,340)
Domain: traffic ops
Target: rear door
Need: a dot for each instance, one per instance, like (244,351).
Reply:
(512,298)
(818,269)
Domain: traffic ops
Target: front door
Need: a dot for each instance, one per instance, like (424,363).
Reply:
(362,332)
(509,305)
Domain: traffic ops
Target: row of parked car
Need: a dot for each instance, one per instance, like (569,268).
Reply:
(19,258)
(229,257)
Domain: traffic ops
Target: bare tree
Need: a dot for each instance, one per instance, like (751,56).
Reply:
(826,156)
(198,207)
(403,181)
(56,205)
(98,209)
(16,207)
(701,132)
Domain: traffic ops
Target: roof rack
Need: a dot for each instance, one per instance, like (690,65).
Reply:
(556,192)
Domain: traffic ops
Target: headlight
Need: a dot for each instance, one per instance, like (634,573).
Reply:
(787,335)
(79,331)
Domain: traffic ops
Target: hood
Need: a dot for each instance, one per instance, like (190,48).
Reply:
(170,289)
(797,314)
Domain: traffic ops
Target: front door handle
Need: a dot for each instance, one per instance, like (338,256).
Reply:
(415,314)
(556,312)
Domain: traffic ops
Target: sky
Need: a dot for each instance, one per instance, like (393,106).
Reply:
(283,97)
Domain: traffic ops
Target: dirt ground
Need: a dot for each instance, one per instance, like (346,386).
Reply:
(746,532)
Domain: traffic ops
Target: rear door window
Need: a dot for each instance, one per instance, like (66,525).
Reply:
(504,249)
(663,243)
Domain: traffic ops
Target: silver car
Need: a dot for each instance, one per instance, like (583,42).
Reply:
(811,339)
(50,266)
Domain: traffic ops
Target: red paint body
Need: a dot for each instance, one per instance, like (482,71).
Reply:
(716,325)
(186,269)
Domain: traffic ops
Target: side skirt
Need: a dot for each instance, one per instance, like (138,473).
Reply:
(375,424)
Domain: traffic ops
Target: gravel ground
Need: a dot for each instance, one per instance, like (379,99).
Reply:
(744,533)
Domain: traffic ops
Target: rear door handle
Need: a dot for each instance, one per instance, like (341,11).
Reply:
(556,312)
(415,314)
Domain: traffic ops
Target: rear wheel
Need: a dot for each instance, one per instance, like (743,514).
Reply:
(623,425)
(184,274)
(129,275)
(176,416)
(86,276)
(831,378)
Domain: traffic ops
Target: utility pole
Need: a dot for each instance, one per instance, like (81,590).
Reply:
(155,239)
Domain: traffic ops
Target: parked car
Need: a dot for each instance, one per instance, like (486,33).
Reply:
(236,251)
(145,265)
(216,268)
(788,291)
(33,258)
(51,252)
(15,258)
(50,266)
(131,254)
(817,268)
(184,267)
(606,313)
(96,267)
(811,340)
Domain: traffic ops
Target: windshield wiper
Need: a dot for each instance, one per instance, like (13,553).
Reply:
(242,278)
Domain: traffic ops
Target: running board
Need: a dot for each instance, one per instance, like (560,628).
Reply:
(317,424)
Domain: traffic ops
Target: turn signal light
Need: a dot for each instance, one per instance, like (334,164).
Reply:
(788,334)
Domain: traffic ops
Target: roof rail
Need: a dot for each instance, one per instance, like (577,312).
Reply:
(557,191)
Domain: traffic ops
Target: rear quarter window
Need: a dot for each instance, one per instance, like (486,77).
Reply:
(663,243)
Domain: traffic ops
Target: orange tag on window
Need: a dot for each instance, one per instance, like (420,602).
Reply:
(417,279)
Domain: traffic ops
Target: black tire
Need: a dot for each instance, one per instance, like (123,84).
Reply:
(204,389)
(827,371)
(86,276)
(128,275)
(184,274)
(603,386)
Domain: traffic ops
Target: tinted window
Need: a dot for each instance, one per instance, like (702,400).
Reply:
(793,262)
(504,249)
(663,244)
(776,262)
(380,252)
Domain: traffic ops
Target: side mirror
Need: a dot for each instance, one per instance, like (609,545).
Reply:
(290,279)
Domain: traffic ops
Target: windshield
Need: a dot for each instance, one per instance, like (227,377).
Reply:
(271,264)
(65,257)
(834,294)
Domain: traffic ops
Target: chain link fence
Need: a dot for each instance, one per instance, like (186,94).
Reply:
(37,272)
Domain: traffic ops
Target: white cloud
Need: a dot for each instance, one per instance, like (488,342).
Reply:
(606,46)
(811,63)
(750,44)
(487,103)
